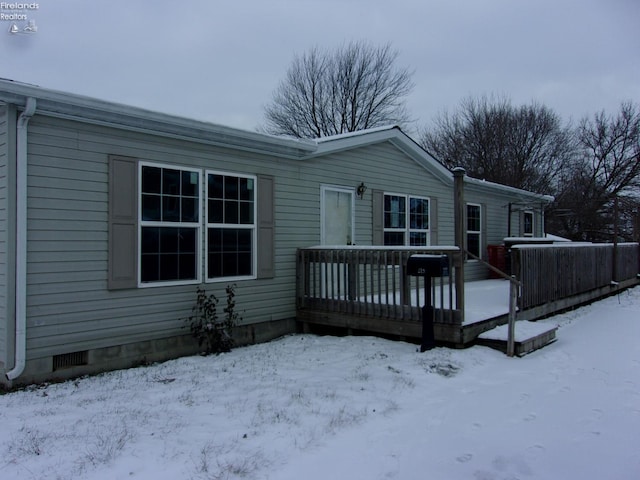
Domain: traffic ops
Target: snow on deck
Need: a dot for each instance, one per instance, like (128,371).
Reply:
(485,299)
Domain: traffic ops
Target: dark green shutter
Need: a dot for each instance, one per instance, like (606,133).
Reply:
(266,227)
(123,223)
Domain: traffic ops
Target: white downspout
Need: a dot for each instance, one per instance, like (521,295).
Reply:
(21,240)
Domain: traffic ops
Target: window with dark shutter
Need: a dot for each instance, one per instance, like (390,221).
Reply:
(156,220)
(405,220)
(231,226)
(170,225)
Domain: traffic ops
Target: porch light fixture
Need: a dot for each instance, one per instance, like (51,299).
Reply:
(361,189)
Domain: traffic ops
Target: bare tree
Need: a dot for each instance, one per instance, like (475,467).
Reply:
(605,178)
(521,147)
(356,87)
(611,150)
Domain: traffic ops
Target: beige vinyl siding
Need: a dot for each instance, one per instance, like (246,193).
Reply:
(517,218)
(381,167)
(496,206)
(69,307)
(493,221)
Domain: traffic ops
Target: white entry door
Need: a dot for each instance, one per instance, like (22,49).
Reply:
(337,224)
(336,229)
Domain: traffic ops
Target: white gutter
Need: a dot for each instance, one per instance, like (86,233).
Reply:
(21,240)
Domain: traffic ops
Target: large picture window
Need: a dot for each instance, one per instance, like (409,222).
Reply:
(177,225)
(169,214)
(231,226)
(406,220)
(474,229)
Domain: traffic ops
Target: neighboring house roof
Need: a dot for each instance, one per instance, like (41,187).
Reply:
(77,107)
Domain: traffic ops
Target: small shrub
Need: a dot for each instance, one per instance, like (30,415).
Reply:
(212,333)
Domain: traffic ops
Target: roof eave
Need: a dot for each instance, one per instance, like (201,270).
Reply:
(100,112)
(507,190)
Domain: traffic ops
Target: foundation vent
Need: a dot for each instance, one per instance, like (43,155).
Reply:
(73,359)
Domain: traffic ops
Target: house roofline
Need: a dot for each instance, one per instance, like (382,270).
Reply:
(390,133)
(405,143)
(100,112)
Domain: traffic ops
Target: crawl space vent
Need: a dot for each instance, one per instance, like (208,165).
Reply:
(67,360)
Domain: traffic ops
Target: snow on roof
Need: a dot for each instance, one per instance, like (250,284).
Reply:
(357,133)
(527,240)
(434,248)
(556,238)
(508,189)
(561,245)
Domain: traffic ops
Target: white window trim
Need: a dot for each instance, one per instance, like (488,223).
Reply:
(407,230)
(197,226)
(533,227)
(254,227)
(467,231)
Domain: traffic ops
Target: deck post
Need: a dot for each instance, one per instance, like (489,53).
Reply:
(513,301)
(459,214)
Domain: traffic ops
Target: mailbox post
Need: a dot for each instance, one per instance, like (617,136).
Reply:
(428,266)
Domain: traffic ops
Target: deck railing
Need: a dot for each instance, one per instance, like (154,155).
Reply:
(372,281)
(553,272)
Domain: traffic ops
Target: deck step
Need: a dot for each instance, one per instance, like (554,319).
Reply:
(529,336)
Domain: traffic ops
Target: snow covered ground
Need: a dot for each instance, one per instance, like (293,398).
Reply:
(308,407)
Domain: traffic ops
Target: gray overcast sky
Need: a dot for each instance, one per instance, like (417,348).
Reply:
(220,61)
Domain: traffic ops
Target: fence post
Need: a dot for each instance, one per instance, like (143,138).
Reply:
(513,299)
(458,215)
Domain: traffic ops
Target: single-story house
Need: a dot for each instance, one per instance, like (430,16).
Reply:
(111,216)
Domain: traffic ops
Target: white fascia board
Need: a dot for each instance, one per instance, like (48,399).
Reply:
(348,141)
(356,134)
(100,112)
(511,191)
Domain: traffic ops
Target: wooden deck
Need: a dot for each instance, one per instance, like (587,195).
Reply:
(367,290)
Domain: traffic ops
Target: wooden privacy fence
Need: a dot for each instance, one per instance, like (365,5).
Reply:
(372,281)
(551,273)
